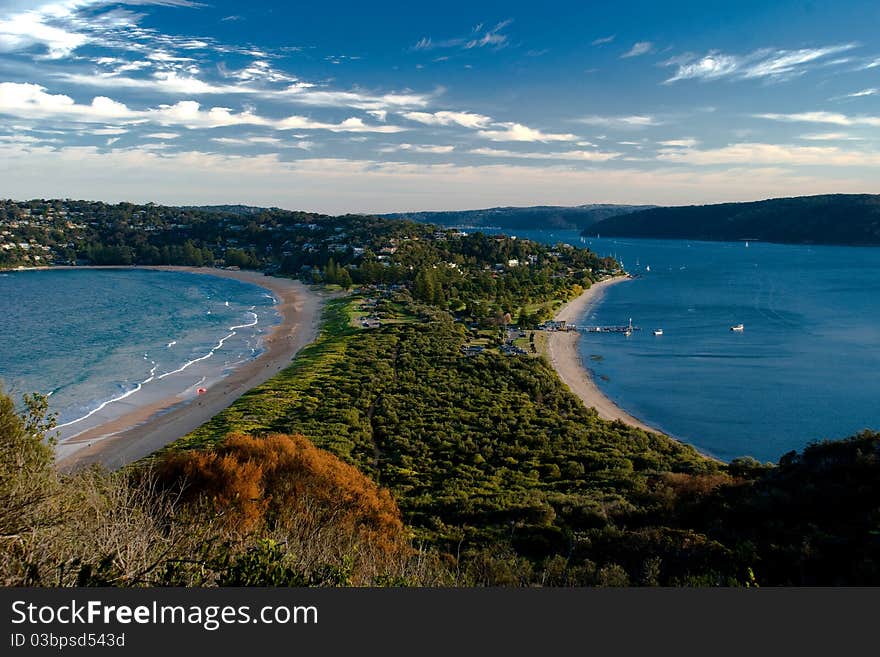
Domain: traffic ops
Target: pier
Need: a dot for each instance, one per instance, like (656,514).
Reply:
(626,328)
(605,329)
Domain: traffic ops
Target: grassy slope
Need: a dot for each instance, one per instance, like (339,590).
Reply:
(485,451)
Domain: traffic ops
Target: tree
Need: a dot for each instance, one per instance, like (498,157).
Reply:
(27,479)
(343,278)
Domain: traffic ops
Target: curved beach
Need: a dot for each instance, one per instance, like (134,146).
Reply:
(145,429)
(562,351)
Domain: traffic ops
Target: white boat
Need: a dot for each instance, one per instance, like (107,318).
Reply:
(647,267)
(658,331)
(737,327)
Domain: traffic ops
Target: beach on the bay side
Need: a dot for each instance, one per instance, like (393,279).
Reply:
(147,428)
(562,351)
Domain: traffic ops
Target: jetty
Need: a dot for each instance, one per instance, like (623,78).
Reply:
(606,329)
(626,328)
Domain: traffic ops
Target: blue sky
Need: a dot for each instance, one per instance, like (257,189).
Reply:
(370,107)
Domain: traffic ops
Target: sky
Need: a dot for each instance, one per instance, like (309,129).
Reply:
(399,106)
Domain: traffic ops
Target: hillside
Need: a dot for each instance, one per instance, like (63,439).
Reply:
(241,210)
(830,219)
(548,217)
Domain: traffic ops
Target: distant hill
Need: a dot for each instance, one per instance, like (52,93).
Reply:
(240,210)
(548,217)
(830,219)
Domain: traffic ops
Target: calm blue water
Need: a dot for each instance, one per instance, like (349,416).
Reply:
(806,367)
(101,342)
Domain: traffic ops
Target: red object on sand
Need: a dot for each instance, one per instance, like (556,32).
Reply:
(202,391)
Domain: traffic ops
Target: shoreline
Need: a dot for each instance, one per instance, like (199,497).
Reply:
(145,429)
(563,354)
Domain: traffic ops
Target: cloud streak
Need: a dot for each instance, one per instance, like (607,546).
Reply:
(577,156)
(638,49)
(628,122)
(830,118)
(761,154)
(766,64)
(480,37)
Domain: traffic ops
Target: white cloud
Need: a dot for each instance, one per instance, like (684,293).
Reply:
(622,122)
(578,156)
(246,141)
(445,118)
(833,118)
(162,135)
(26,29)
(169,82)
(602,40)
(830,136)
(766,63)
(305,94)
(710,67)
(520,132)
(352,124)
(109,131)
(680,143)
(418,148)
(56,27)
(639,48)
(32,101)
(759,153)
(261,71)
(862,93)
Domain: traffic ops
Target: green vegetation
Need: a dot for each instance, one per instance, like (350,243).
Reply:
(545,217)
(830,219)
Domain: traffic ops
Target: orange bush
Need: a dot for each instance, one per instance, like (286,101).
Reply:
(285,482)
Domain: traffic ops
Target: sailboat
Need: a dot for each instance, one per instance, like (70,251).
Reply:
(647,267)
(747,244)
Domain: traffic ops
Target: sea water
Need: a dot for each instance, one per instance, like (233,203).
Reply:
(100,343)
(806,366)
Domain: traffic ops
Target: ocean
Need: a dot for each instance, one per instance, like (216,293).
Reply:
(99,343)
(806,366)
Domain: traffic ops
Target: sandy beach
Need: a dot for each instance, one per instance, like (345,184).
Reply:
(562,351)
(146,429)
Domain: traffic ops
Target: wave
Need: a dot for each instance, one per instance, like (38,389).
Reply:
(217,346)
(253,323)
(104,404)
(152,373)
